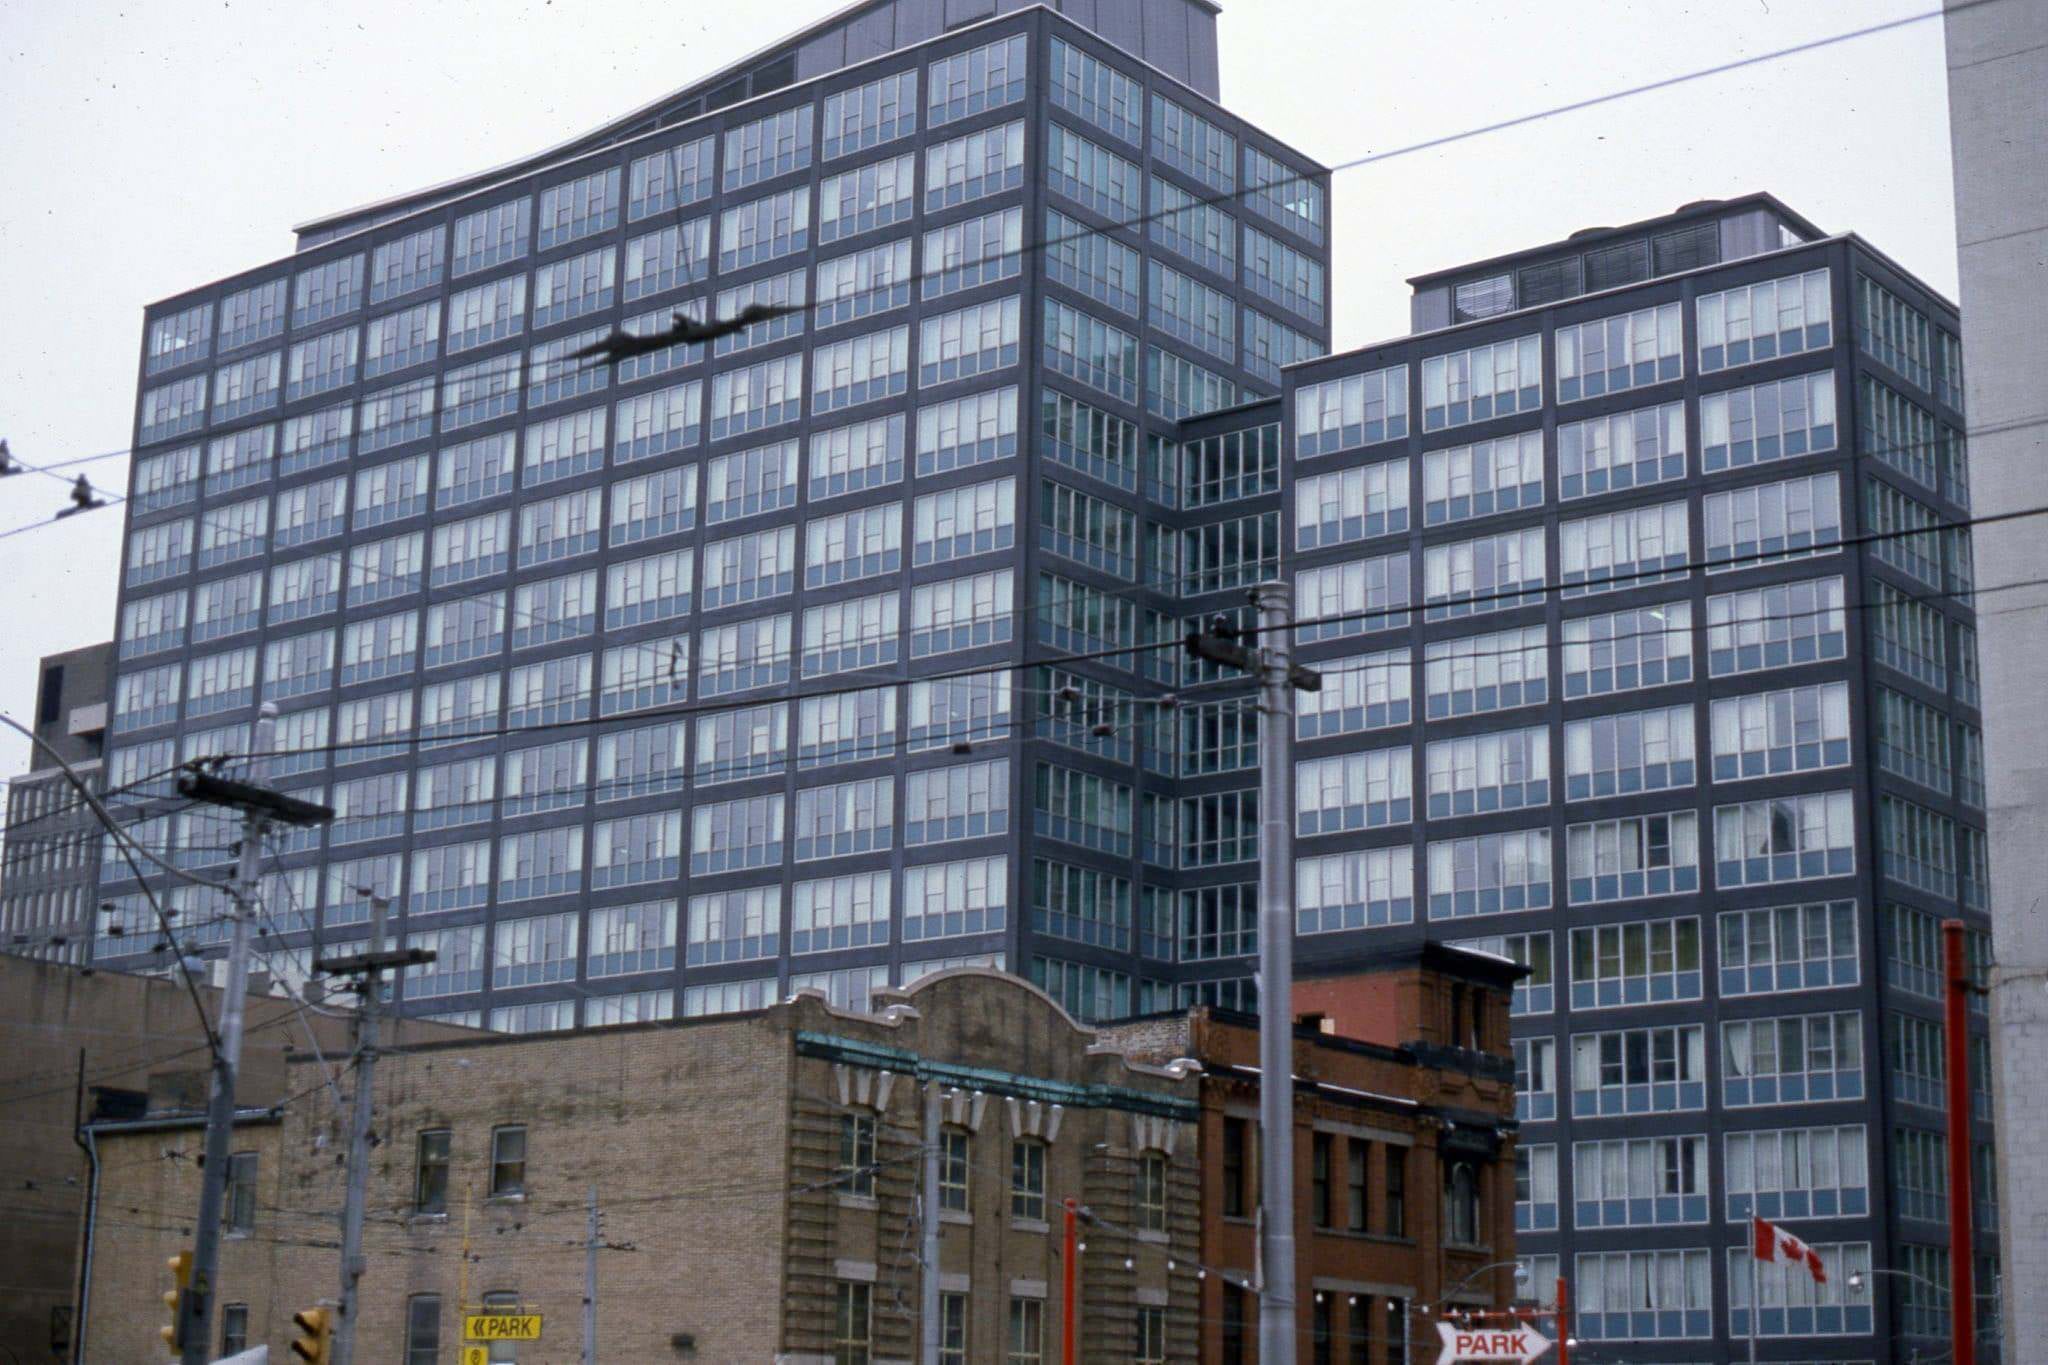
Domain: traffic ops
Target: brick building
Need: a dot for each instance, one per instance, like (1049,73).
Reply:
(73,1038)
(757,1179)
(1404,1151)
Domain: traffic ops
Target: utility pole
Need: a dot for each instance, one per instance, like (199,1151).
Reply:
(260,807)
(590,1283)
(1279,677)
(928,1280)
(370,966)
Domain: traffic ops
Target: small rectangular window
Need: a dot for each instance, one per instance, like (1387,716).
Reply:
(430,1180)
(1027,1179)
(241,1192)
(508,1161)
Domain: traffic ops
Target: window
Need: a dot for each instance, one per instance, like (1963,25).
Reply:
(239,1198)
(1282,194)
(1629,752)
(955,1165)
(1625,650)
(1772,522)
(1627,351)
(1784,839)
(1788,948)
(845,818)
(853,1324)
(1761,321)
(1357,410)
(1354,791)
(870,114)
(861,283)
(1480,673)
(1394,1207)
(159,552)
(1356,598)
(1092,352)
(1622,550)
(508,1162)
(1794,730)
(1481,383)
(975,81)
(1639,1071)
(1492,573)
(1642,1295)
(1535,1078)
(1098,92)
(857,1154)
(1801,1059)
(1358,890)
(1027,1332)
(868,197)
(1897,431)
(1642,963)
(1790,1173)
(1333,509)
(1027,1179)
(430,1176)
(1196,229)
(1632,857)
(864,543)
(423,1329)
(1501,771)
(1322,1154)
(1461,1204)
(1777,421)
(1622,450)
(565,526)
(840,911)
(943,900)
(238,531)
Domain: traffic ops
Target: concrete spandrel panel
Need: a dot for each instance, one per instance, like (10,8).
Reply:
(919,21)
(960,12)
(1203,72)
(871,35)
(821,55)
(1081,12)
(1121,22)
(1166,37)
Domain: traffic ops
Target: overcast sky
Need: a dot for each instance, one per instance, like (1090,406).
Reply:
(152,147)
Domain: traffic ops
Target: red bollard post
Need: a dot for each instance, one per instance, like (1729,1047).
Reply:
(1068,1309)
(1962,1264)
(1564,1320)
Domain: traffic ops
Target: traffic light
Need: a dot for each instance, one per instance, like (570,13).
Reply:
(173,1332)
(1221,644)
(316,1328)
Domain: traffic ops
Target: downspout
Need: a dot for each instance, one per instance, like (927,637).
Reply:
(83,1136)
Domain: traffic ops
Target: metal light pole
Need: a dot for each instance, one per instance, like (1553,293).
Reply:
(928,1286)
(1279,676)
(1277,1327)
(1961,1241)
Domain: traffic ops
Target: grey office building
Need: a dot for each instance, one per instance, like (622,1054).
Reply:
(50,865)
(1639,668)
(664,688)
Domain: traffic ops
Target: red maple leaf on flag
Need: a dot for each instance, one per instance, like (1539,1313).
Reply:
(1772,1243)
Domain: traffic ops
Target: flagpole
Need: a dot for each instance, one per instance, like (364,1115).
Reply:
(1756,1304)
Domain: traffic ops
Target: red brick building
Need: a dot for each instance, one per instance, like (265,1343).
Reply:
(1404,1152)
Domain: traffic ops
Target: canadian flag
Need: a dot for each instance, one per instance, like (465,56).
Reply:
(1773,1243)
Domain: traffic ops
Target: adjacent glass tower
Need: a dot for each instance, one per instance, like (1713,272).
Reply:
(666,688)
(1650,661)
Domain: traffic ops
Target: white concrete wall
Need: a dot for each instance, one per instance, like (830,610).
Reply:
(1998,109)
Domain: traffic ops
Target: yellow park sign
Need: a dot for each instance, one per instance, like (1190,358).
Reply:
(476,1355)
(501,1327)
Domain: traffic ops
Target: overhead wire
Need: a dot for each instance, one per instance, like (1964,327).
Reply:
(1219,198)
